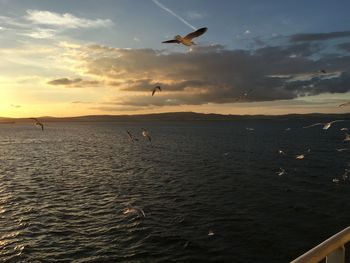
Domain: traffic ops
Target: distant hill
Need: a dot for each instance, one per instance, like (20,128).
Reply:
(177,116)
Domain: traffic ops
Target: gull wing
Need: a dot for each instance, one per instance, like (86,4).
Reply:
(34,119)
(196,33)
(172,41)
(337,121)
(130,136)
(140,211)
(313,125)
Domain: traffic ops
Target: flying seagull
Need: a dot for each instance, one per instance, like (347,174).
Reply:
(38,123)
(345,175)
(281,152)
(323,71)
(187,40)
(281,172)
(342,149)
(335,180)
(155,89)
(131,137)
(244,95)
(145,134)
(300,157)
(326,125)
(344,104)
(134,210)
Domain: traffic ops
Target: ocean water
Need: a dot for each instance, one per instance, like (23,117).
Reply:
(63,191)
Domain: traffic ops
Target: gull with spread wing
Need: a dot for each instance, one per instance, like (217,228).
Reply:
(187,40)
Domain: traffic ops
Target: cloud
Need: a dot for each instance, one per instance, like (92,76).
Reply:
(64,20)
(77,83)
(81,102)
(319,36)
(194,15)
(40,33)
(215,74)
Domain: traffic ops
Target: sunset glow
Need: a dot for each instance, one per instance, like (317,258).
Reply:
(70,59)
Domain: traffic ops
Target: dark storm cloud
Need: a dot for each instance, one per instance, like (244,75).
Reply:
(319,36)
(72,82)
(215,74)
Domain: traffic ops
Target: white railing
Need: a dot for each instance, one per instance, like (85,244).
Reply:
(332,250)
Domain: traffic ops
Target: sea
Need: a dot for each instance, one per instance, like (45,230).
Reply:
(210,191)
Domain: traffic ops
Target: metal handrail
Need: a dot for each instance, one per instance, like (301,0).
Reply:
(332,250)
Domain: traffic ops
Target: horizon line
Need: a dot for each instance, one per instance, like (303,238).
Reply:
(175,112)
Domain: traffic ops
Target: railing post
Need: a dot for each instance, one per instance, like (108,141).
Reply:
(337,256)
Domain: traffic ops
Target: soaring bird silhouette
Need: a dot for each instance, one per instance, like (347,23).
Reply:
(187,40)
(323,71)
(155,89)
(38,123)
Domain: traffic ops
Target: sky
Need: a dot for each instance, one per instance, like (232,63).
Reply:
(87,57)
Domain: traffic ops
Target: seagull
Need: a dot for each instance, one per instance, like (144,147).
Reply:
(345,175)
(335,180)
(323,71)
(38,123)
(187,40)
(134,210)
(186,244)
(155,89)
(326,125)
(288,129)
(300,157)
(344,129)
(342,149)
(281,172)
(347,137)
(131,137)
(211,232)
(145,133)
(344,104)
(244,95)
(281,152)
